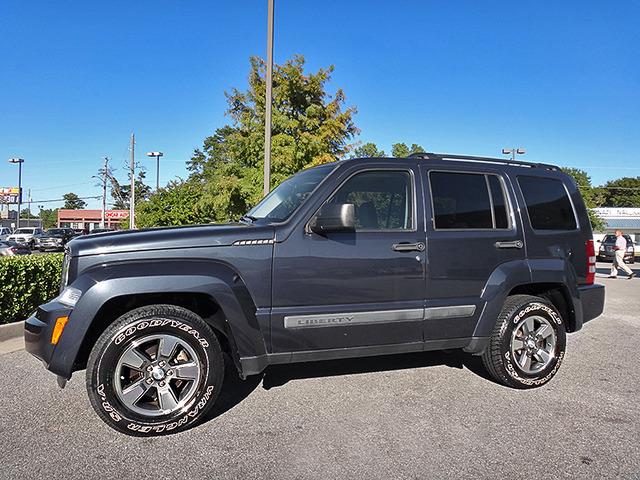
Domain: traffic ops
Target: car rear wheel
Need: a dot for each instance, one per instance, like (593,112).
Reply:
(156,370)
(528,343)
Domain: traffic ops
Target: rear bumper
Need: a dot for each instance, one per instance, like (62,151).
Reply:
(592,300)
(39,327)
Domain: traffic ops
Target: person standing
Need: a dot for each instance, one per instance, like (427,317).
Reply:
(619,250)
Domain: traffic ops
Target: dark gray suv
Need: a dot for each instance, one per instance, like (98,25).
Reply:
(360,257)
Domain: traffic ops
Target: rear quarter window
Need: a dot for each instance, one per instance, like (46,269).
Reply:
(548,203)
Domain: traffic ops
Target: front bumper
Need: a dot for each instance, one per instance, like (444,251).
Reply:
(592,299)
(39,327)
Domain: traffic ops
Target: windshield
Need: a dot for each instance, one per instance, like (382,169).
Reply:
(25,230)
(289,195)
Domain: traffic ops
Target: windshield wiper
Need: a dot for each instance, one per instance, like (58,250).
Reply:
(248,219)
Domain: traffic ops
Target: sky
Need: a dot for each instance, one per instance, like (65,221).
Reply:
(561,79)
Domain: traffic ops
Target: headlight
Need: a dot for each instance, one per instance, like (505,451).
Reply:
(70,296)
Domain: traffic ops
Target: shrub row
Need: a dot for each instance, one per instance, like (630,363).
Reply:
(27,281)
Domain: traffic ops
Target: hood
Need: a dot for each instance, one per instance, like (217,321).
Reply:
(167,238)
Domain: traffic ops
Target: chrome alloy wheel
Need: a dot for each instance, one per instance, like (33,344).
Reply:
(533,344)
(157,375)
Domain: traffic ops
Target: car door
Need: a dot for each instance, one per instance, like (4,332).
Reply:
(471,230)
(355,289)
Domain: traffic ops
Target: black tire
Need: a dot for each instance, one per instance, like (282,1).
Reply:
(499,358)
(172,324)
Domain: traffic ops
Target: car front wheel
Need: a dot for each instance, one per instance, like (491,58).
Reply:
(528,343)
(156,370)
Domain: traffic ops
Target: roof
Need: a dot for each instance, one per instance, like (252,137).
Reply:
(623,223)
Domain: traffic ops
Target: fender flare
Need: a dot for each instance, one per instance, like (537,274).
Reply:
(517,273)
(106,282)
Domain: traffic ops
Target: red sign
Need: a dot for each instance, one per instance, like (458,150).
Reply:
(9,194)
(116,214)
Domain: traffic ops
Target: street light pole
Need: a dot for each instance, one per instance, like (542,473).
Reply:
(513,152)
(19,161)
(132,195)
(157,155)
(268,101)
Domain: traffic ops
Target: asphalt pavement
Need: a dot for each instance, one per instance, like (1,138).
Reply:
(431,415)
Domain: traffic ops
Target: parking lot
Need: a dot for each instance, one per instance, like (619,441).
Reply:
(431,415)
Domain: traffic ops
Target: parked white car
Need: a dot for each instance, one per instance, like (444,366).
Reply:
(24,236)
(4,233)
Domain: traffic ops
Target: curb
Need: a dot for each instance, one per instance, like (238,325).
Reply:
(11,331)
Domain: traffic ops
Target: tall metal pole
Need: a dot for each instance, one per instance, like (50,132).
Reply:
(157,172)
(268,101)
(104,192)
(132,197)
(19,191)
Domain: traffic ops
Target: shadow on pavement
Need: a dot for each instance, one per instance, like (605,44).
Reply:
(235,390)
(278,375)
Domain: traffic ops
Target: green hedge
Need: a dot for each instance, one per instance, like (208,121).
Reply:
(27,281)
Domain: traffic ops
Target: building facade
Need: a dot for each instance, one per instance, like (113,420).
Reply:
(625,219)
(90,219)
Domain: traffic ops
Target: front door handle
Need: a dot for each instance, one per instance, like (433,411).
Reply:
(408,247)
(512,244)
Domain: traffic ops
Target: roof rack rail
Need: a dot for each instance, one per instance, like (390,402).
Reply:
(470,158)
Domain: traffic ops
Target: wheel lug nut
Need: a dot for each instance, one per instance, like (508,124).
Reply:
(149,368)
(149,381)
(162,384)
(162,364)
(169,372)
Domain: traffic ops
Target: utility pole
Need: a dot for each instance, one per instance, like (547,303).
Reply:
(268,101)
(104,191)
(19,161)
(132,197)
(29,207)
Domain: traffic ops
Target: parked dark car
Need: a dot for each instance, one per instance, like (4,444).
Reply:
(53,239)
(9,248)
(355,258)
(80,231)
(606,251)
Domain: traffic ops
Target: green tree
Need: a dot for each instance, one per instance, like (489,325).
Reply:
(593,196)
(367,150)
(310,127)
(49,217)
(173,205)
(26,213)
(401,150)
(622,192)
(73,202)
(122,193)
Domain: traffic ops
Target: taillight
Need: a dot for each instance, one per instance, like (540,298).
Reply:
(13,249)
(591,262)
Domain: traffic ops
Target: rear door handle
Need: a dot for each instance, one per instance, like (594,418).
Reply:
(512,244)
(408,247)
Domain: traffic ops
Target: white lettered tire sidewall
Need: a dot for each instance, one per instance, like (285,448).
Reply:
(498,357)
(155,319)
(547,311)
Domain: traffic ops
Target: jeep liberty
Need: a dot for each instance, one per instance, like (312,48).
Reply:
(355,258)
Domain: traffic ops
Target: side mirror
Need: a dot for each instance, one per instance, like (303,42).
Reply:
(333,218)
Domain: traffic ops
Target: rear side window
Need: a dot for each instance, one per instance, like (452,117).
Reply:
(468,201)
(548,204)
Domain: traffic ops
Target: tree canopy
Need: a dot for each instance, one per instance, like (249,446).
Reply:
(367,150)
(402,150)
(623,192)
(310,127)
(73,202)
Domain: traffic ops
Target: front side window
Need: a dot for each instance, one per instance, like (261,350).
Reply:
(383,199)
(468,201)
(289,195)
(548,204)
